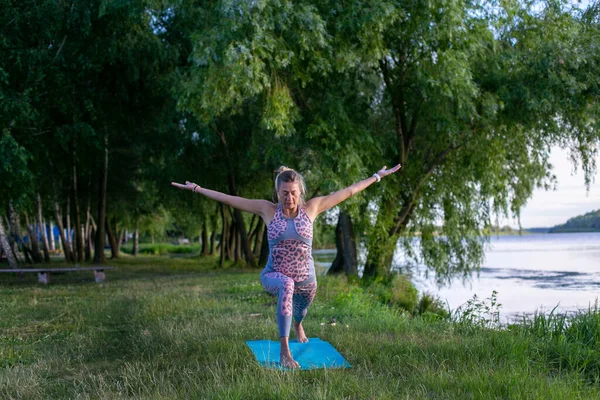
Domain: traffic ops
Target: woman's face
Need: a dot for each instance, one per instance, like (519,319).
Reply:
(289,194)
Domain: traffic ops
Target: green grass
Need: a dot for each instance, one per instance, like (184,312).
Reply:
(164,328)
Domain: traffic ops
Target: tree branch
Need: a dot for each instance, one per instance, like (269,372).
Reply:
(410,137)
(60,47)
(397,110)
(401,219)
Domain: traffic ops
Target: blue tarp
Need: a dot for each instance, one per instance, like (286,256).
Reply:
(314,354)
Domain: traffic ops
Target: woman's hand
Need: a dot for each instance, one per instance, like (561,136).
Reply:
(385,172)
(188,186)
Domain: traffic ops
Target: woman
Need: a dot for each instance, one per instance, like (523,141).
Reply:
(290,271)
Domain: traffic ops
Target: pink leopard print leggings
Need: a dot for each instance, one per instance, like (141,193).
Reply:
(292,300)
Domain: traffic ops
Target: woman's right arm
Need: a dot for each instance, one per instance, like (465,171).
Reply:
(263,208)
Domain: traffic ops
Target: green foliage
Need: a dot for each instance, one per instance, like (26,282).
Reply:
(280,111)
(398,292)
(566,343)
(403,293)
(249,50)
(589,222)
(323,235)
(15,175)
(431,307)
(157,223)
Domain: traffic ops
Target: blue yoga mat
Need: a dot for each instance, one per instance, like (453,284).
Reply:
(311,355)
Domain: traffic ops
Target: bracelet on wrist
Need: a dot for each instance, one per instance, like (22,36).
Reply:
(194,188)
(376,176)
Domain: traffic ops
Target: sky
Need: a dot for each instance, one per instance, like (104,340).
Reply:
(549,208)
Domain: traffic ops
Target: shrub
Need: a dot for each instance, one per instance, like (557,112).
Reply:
(476,313)
(404,294)
(429,304)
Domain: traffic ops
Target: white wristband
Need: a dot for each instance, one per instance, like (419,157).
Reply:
(376,175)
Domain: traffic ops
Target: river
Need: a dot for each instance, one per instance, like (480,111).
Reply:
(534,272)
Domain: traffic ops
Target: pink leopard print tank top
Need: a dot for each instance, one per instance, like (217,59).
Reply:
(290,246)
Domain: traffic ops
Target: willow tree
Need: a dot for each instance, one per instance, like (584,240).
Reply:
(468,97)
(473,98)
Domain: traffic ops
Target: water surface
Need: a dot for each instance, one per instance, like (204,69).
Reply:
(529,273)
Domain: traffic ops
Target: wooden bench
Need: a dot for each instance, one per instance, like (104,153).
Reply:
(44,273)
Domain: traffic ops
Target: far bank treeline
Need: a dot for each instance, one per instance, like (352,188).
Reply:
(104,103)
(589,222)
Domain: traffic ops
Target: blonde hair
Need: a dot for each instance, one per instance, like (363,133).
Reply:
(285,174)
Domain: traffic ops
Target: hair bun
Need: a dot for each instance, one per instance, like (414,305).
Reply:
(283,168)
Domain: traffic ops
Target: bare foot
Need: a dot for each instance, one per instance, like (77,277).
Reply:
(300,335)
(287,361)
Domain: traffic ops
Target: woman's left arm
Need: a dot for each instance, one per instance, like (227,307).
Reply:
(317,205)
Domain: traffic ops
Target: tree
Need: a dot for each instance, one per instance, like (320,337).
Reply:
(468,97)
(78,95)
(476,97)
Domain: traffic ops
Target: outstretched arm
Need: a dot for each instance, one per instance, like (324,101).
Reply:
(259,207)
(317,205)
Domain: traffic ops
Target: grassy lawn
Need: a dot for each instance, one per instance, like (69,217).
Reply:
(176,328)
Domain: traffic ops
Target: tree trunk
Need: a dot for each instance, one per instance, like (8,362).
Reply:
(92,237)
(214,224)
(264,249)
(258,239)
(121,238)
(380,257)
(349,242)
(345,242)
(63,239)
(252,229)
(213,235)
(87,234)
(237,214)
(337,266)
(35,247)
(204,251)
(381,247)
(112,240)
(99,257)
(136,237)
(42,230)
(52,240)
(381,250)
(244,242)
(238,247)
(27,247)
(223,241)
(14,238)
(12,261)
(69,234)
(78,225)
(230,244)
